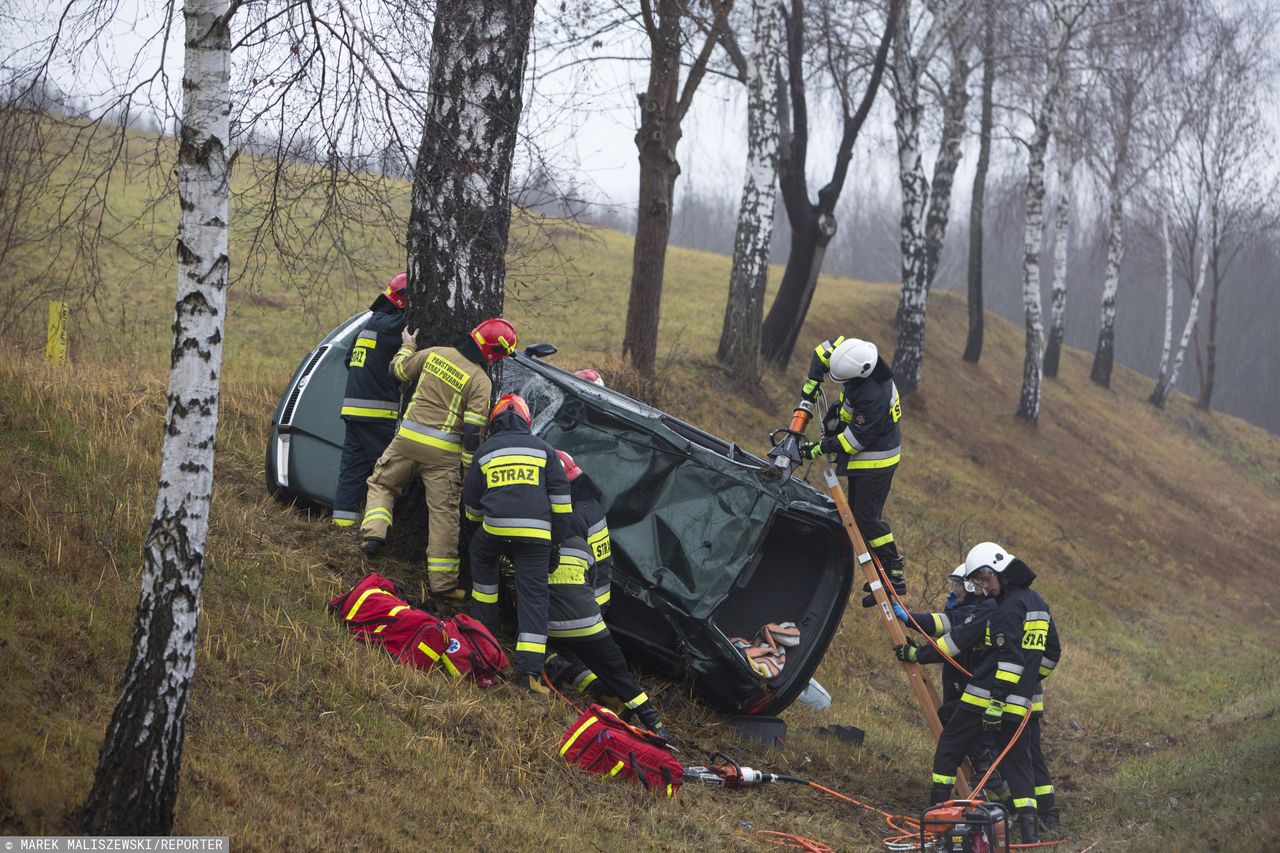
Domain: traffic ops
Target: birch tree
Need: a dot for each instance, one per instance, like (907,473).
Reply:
(1131,52)
(923,221)
(973,341)
(740,336)
(1169,368)
(136,783)
(813,223)
(461,205)
(1061,238)
(1061,19)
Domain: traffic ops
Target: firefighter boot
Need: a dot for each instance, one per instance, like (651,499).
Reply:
(372,545)
(940,793)
(1049,817)
(1027,827)
(457,595)
(649,717)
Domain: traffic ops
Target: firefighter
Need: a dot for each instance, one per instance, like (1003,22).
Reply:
(579,635)
(518,492)
(1021,633)
(371,404)
(440,431)
(587,506)
(862,429)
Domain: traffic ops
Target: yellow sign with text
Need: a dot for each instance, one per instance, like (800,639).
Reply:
(55,348)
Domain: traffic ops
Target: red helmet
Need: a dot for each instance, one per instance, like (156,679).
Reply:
(571,468)
(591,375)
(512,401)
(496,338)
(395,292)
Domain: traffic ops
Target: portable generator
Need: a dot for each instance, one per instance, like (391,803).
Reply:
(965,826)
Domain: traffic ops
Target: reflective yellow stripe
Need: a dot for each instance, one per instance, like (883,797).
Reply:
(499,461)
(360,600)
(575,632)
(378,512)
(586,682)
(518,532)
(471,516)
(357,411)
(938,627)
(1001,675)
(874,463)
(429,652)
(371,343)
(562,508)
(1024,802)
(582,728)
(939,779)
(379,629)
(670,790)
(638,700)
(1016,710)
(484,597)
(616,768)
(397,609)
(604,598)
(539,648)
(473,418)
(429,440)
(1043,790)
(449,667)
(343,522)
(976,701)
(880,540)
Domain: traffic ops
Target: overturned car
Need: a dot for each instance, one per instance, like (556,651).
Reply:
(707,545)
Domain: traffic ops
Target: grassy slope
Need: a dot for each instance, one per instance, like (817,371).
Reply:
(1154,533)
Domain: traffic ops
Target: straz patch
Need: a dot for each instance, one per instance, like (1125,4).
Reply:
(446,371)
(512,475)
(999,639)
(601,548)
(860,419)
(1034,635)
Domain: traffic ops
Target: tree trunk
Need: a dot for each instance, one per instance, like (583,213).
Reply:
(1211,347)
(461,206)
(945,165)
(136,783)
(1104,356)
(1169,377)
(973,344)
(1033,234)
(809,243)
(1062,225)
(1162,374)
(740,338)
(908,358)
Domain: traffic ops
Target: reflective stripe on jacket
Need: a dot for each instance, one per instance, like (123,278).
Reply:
(372,393)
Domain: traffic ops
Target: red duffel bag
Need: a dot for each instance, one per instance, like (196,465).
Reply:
(600,742)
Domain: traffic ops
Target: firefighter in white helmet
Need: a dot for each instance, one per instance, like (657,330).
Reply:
(862,429)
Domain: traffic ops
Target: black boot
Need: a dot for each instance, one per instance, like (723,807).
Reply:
(1049,817)
(939,794)
(372,545)
(652,721)
(1027,827)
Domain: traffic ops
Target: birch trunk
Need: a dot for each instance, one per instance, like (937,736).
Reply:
(908,358)
(1168,380)
(461,205)
(1033,233)
(1162,374)
(1061,235)
(136,783)
(945,165)
(1104,356)
(1211,346)
(973,344)
(740,338)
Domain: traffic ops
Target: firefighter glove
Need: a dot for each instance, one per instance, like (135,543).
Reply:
(900,613)
(811,451)
(810,389)
(908,652)
(993,717)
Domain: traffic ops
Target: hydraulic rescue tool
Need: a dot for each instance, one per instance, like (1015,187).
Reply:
(731,774)
(786,458)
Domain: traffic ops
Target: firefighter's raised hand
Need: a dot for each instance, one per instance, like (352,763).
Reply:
(409,338)
(810,451)
(810,389)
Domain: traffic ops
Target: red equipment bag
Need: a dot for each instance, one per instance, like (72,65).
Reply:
(461,645)
(599,742)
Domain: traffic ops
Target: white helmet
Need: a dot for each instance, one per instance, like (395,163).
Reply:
(987,555)
(958,574)
(853,359)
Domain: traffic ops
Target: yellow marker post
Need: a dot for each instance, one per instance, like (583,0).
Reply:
(55,348)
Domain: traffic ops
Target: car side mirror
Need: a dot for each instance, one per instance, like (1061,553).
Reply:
(540,350)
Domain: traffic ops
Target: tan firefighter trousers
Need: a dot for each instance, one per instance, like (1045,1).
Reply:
(441,475)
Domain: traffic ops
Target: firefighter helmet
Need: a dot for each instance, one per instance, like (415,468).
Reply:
(986,555)
(396,291)
(496,339)
(591,375)
(958,576)
(511,401)
(571,469)
(853,359)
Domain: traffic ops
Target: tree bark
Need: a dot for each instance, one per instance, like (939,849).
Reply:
(1167,344)
(973,343)
(1211,346)
(945,165)
(740,337)
(1061,234)
(1033,234)
(136,783)
(1104,356)
(1168,378)
(461,205)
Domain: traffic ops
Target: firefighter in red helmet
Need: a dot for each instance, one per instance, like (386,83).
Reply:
(371,404)
(441,429)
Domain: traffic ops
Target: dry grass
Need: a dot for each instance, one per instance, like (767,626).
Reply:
(1155,534)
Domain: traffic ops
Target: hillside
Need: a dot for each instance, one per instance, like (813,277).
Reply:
(1156,536)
